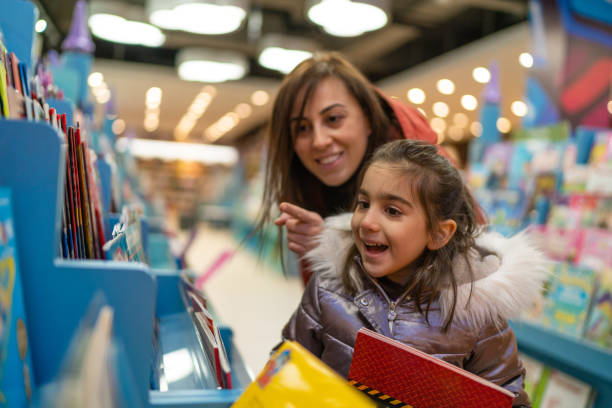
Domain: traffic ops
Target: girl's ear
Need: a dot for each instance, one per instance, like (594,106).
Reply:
(445,231)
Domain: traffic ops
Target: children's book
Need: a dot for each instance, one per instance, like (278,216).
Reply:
(533,381)
(596,249)
(599,325)
(294,377)
(563,391)
(16,376)
(116,248)
(497,158)
(566,305)
(208,332)
(418,379)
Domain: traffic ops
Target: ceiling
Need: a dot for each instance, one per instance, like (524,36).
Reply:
(419,31)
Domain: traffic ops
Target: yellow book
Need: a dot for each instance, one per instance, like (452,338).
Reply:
(294,377)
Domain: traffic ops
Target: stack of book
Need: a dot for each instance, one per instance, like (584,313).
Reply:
(550,388)
(22,97)
(207,332)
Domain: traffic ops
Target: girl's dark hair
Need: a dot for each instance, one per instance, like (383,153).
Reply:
(443,195)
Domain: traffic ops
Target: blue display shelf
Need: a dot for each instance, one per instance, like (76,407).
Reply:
(17,19)
(576,357)
(177,333)
(58,291)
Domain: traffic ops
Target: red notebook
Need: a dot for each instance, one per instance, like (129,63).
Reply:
(418,379)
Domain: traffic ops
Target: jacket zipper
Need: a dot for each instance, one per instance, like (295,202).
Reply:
(392,314)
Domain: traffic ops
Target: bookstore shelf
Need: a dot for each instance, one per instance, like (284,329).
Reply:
(573,356)
(58,291)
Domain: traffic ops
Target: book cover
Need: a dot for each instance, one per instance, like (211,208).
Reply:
(563,391)
(534,381)
(294,377)
(116,249)
(566,304)
(418,379)
(596,249)
(599,325)
(16,374)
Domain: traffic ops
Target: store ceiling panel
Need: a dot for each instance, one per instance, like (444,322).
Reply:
(419,31)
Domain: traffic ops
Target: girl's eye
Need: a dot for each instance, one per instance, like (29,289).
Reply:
(362,204)
(392,211)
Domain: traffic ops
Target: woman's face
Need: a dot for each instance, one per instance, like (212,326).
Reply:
(331,137)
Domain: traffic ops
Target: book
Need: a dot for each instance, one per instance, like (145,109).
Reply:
(208,332)
(116,249)
(599,324)
(16,375)
(567,301)
(294,377)
(563,391)
(533,382)
(418,379)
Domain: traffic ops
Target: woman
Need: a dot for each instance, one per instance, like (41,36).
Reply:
(326,121)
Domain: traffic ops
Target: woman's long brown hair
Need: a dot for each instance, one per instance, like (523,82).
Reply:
(286,179)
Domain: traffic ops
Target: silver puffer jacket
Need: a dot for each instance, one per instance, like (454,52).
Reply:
(479,339)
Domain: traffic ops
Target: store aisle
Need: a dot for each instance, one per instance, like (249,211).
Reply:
(254,300)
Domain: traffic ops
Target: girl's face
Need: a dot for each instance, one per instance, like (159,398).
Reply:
(389,224)
(331,137)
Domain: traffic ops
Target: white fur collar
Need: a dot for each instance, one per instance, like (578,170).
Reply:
(504,286)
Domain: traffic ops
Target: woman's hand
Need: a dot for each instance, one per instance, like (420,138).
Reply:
(302,227)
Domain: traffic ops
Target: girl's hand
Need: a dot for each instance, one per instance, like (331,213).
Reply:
(302,227)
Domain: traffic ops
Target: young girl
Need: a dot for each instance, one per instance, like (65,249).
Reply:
(327,119)
(415,269)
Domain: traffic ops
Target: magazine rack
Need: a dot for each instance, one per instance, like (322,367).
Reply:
(58,291)
(576,357)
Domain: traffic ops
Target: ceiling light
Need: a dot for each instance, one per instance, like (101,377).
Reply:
(103,96)
(481,74)
(349,18)
(455,133)
(476,129)
(445,86)
(194,112)
(460,119)
(40,26)
(243,110)
(118,126)
(204,65)
(503,125)
(153,98)
(416,96)
(156,149)
(200,17)
(519,108)
(260,98)
(526,60)
(95,79)
(117,29)
(281,59)
(282,53)
(438,125)
(469,102)
(440,109)
(226,123)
